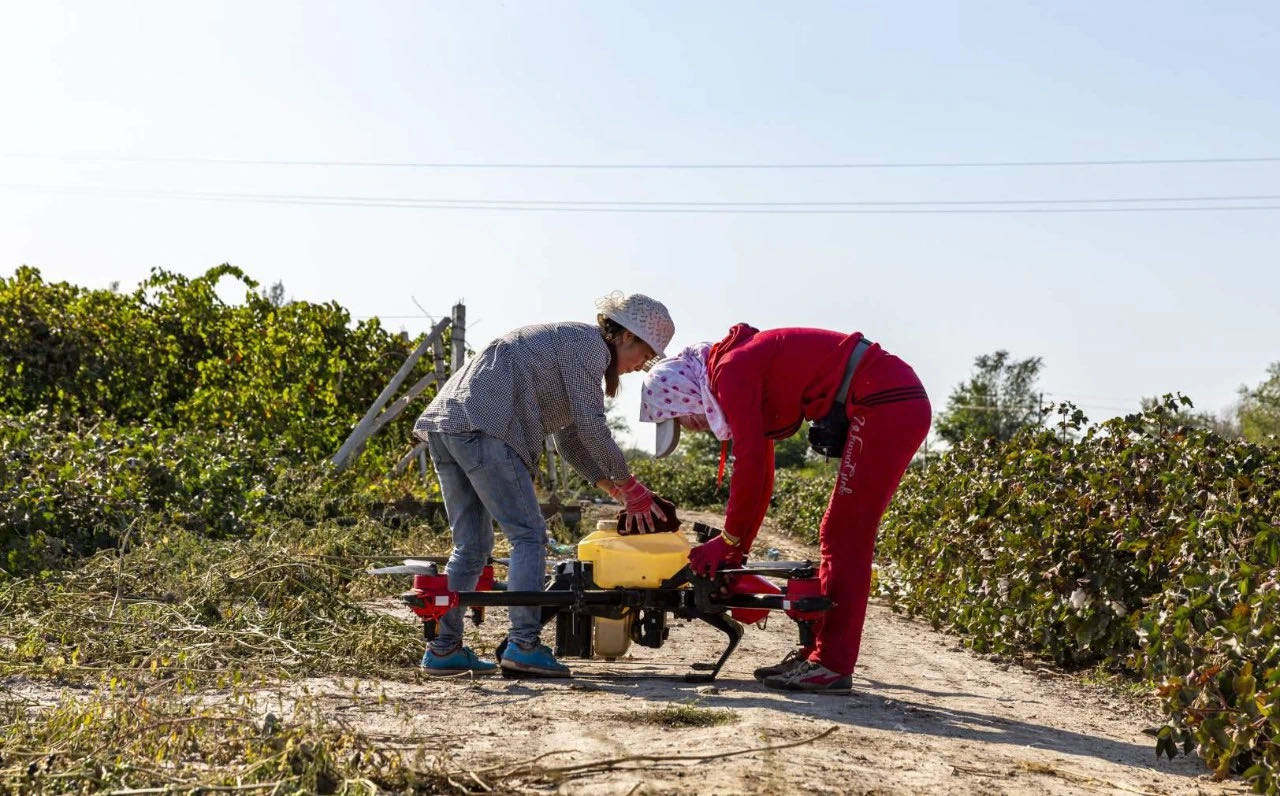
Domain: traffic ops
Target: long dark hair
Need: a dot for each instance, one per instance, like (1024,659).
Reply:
(611,331)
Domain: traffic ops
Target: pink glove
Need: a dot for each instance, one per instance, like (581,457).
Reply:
(639,505)
(706,558)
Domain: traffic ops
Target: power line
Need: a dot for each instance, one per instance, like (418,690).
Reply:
(471,324)
(963,164)
(656,203)
(867,207)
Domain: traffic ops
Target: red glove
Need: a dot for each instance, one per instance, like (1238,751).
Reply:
(639,506)
(706,558)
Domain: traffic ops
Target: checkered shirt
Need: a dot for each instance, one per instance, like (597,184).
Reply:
(531,382)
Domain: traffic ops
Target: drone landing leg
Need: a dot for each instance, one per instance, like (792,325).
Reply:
(731,629)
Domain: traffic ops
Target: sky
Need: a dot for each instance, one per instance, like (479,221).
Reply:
(119,124)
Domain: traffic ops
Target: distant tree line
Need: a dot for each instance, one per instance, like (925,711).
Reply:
(1001,397)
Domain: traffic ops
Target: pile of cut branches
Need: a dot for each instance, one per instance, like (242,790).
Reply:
(164,745)
(177,604)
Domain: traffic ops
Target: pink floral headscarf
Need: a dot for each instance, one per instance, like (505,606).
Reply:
(679,386)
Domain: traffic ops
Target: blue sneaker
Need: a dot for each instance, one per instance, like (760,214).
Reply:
(535,660)
(459,661)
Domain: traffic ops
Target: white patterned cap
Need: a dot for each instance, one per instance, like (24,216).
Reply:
(644,317)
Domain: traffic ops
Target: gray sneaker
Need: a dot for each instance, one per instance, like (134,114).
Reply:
(813,677)
(793,659)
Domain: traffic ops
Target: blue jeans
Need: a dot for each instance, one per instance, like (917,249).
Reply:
(483,479)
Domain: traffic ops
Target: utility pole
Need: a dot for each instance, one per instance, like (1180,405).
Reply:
(459,336)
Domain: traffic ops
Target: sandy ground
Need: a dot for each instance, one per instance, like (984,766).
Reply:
(926,716)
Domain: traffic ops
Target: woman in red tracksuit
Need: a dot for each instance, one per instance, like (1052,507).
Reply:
(755,387)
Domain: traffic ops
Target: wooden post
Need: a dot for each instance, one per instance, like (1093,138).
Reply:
(551,464)
(393,411)
(437,353)
(459,336)
(401,465)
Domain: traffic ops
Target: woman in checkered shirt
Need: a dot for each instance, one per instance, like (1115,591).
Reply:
(485,431)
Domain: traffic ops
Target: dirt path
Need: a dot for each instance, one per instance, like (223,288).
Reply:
(925,716)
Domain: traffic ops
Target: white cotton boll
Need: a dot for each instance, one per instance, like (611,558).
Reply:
(1079,599)
(1118,608)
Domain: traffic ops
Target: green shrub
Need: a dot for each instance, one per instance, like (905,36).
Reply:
(166,404)
(1210,638)
(172,354)
(692,483)
(67,492)
(799,501)
(70,491)
(687,483)
(1139,541)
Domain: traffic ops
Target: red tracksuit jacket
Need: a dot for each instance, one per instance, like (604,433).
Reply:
(767,383)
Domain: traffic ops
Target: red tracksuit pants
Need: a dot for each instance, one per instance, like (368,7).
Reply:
(889,416)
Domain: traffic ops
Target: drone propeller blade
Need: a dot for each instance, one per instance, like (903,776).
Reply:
(407,568)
